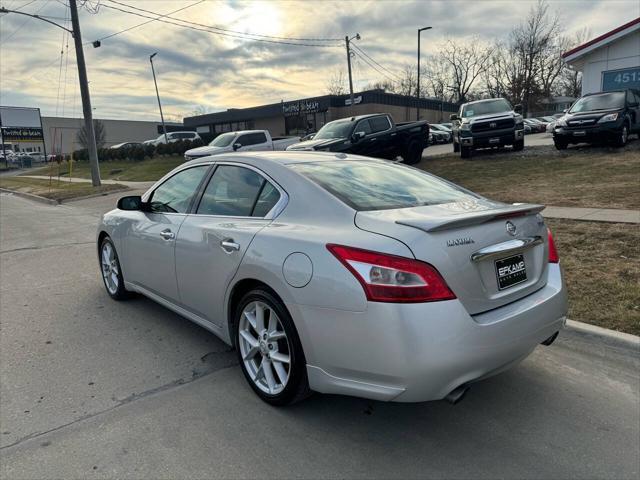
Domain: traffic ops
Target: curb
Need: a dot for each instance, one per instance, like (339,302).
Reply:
(613,336)
(50,201)
(31,196)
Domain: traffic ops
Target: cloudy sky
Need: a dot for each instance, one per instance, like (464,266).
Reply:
(199,69)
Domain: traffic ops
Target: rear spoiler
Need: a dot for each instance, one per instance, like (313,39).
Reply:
(471,218)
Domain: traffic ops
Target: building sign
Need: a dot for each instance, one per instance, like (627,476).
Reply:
(300,107)
(356,100)
(621,79)
(14,134)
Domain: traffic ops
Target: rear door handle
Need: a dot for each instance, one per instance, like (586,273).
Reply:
(228,245)
(167,234)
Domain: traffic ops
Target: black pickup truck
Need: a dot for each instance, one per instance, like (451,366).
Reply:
(485,124)
(375,135)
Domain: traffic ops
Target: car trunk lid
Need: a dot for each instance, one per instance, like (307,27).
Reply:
(489,253)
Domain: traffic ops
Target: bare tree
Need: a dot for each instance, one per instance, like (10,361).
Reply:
(336,83)
(100,133)
(437,78)
(570,80)
(466,61)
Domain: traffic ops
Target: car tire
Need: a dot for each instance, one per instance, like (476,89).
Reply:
(413,154)
(257,345)
(466,152)
(111,271)
(518,145)
(560,144)
(456,147)
(623,136)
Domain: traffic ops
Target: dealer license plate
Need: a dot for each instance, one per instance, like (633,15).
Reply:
(579,133)
(494,140)
(510,271)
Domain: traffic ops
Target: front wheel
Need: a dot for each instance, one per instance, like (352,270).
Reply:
(111,271)
(269,349)
(560,144)
(623,136)
(518,145)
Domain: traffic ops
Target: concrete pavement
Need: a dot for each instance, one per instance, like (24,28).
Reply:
(92,388)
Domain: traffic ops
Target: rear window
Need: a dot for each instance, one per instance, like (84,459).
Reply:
(380,186)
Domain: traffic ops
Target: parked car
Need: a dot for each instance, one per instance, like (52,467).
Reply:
(485,124)
(600,117)
(444,133)
(536,127)
(375,135)
(340,274)
(438,136)
(243,141)
(175,137)
(126,145)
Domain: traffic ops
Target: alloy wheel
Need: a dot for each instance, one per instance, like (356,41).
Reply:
(110,268)
(264,347)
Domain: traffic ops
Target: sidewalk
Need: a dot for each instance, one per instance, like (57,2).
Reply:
(593,214)
(142,185)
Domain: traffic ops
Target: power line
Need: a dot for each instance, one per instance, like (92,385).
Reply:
(381,66)
(381,72)
(223,32)
(25,22)
(148,21)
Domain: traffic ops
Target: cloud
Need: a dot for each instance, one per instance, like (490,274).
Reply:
(196,68)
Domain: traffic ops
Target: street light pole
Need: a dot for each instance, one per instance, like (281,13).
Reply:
(420,30)
(164,129)
(347,42)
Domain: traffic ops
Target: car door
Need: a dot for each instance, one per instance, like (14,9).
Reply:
(634,106)
(237,202)
(150,243)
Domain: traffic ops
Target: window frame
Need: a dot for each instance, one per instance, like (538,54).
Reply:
(271,214)
(386,118)
(148,196)
(249,134)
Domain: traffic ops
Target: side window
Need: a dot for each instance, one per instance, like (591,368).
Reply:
(630,98)
(268,198)
(363,126)
(252,139)
(379,124)
(232,191)
(175,194)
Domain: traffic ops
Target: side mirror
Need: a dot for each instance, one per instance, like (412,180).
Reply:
(237,146)
(518,109)
(357,136)
(453,117)
(310,137)
(565,110)
(133,202)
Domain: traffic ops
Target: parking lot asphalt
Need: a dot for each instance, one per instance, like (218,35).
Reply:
(92,388)
(532,140)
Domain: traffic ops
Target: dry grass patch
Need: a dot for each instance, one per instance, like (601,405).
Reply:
(56,190)
(579,177)
(601,262)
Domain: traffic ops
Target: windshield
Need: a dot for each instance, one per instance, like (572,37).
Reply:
(483,108)
(222,140)
(380,186)
(337,129)
(605,101)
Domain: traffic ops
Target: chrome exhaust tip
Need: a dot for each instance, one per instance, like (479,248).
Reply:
(456,395)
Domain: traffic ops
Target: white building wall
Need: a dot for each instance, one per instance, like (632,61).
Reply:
(623,53)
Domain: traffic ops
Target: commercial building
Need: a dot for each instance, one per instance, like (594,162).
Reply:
(610,61)
(307,115)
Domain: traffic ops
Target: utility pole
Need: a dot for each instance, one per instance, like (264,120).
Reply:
(164,129)
(86,99)
(84,84)
(347,41)
(420,30)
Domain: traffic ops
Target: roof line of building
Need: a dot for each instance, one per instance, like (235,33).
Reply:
(602,37)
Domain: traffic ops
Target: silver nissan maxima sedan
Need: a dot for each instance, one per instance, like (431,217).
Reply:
(340,274)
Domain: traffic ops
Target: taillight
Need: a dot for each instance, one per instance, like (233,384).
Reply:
(553,253)
(388,278)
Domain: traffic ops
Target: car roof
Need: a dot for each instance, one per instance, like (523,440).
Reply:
(280,158)
(484,100)
(357,117)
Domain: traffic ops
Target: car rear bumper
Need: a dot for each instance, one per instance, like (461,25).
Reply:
(597,133)
(420,352)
